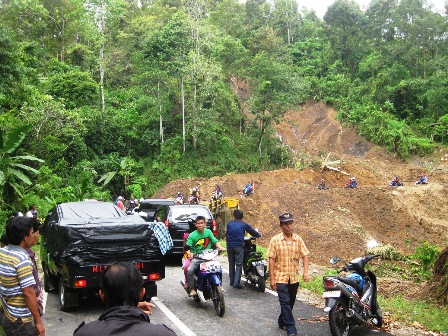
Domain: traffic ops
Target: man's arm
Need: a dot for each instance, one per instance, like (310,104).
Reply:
(219,247)
(305,276)
(273,283)
(252,231)
(31,302)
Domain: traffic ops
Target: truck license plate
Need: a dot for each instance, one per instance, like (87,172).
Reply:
(331,294)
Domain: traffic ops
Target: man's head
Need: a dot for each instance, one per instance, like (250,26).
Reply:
(122,285)
(286,222)
(20,230)
(200,223)
(238,214)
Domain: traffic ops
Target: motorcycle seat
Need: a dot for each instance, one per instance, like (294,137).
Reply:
(255,255)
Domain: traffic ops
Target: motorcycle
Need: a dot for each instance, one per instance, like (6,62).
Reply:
(352,300)
(178,200)
(254,266)
(208,281)
(193,199)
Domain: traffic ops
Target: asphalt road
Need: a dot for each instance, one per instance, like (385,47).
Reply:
(248,312)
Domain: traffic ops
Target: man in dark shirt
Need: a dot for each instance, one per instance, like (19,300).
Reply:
(236,230)
(121,290)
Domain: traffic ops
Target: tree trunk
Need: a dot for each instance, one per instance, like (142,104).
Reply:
(183,113)
(160,113)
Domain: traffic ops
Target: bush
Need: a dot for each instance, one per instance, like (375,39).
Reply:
(425,255)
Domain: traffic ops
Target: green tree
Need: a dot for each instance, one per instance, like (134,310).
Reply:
(13,170)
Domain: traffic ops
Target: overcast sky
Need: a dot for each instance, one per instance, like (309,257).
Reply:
(320,6)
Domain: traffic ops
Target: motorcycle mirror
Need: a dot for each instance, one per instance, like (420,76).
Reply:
(334,260)
(372,243)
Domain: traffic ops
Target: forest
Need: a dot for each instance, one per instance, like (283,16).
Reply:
(100,98)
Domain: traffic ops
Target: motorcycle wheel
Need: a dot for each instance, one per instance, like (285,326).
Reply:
(218,300)
(339,323)
(261,284)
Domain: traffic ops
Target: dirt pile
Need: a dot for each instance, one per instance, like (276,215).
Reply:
(334,219)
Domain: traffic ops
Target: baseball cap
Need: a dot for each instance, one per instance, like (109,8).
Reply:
(286,217)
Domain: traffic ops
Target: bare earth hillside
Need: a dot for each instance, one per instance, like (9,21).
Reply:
(340,221)
(335,218)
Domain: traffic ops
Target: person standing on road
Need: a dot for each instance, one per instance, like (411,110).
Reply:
(18,296)
(121,290)
(285,251)
(236,230)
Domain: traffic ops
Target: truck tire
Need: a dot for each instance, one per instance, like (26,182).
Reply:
(67,297)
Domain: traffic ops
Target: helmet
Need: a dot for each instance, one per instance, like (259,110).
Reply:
(357,278)
(191,224)
(178,193)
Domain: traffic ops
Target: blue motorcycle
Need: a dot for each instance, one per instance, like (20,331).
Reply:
(208,281)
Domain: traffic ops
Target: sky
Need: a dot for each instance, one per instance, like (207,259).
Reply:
(320,6)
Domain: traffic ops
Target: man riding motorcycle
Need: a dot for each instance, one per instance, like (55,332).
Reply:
(197,241)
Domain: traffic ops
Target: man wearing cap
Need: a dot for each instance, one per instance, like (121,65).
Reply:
(285,251)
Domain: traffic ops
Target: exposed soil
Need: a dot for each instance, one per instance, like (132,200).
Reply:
(340,221)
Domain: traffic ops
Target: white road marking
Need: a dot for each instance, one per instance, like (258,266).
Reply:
(178,323)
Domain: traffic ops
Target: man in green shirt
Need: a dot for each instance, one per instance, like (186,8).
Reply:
(199,240)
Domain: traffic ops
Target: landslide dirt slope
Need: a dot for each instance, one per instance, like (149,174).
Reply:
(334,219)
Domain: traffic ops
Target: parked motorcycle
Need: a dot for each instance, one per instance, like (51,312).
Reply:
(193,199)
(254,266)
(208,281)
(352,300)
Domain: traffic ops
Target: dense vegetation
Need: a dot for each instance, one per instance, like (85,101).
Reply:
(106,97)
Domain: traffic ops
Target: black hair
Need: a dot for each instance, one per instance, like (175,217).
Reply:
(17,228)
(238,214)
(201,218)
(31,207)
(4,239)
(121,284)
(191,224)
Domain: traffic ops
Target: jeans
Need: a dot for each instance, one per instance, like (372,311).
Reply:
(235,255)
(287,296)
(192,268)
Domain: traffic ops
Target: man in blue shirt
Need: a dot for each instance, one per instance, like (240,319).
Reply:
(236,230)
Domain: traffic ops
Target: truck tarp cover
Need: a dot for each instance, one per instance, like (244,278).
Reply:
(92,232)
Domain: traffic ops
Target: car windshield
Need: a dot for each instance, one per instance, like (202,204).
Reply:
(182,214)
(148,206)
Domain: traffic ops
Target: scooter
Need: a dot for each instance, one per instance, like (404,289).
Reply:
(352,300)
(254,266)
(208,281)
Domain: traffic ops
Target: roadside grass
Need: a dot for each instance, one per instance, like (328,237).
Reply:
(262,249)
(431,316)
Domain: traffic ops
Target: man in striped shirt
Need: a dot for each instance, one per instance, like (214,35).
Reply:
(19,314)
(285,251)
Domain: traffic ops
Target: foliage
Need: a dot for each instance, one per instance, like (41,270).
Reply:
(194,88)
(425,254)
(387,252)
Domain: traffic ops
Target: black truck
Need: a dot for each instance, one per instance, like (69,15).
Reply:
(81,239)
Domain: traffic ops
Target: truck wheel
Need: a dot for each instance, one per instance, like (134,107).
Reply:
(67,297)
